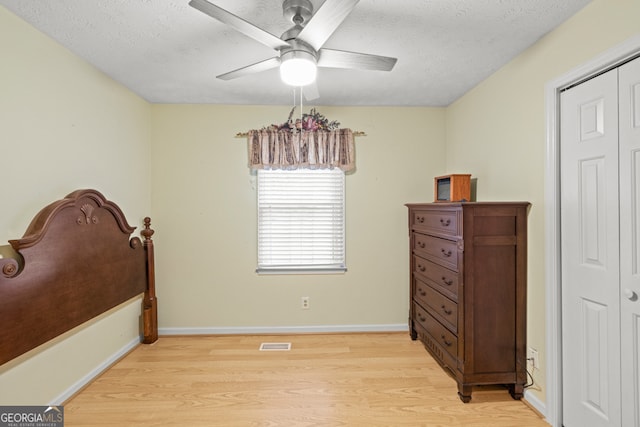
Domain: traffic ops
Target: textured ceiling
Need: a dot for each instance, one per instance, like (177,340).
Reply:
(169,52)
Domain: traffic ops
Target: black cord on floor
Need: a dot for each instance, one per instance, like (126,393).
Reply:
(530,376)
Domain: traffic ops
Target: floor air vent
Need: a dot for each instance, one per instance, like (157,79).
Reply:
(275,346)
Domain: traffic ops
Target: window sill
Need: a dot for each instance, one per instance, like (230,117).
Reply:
(300,270)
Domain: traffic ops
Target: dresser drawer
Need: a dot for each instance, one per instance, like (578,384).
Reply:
(441,335)
(443,279)
(437,221)
(441,251)
(441,307)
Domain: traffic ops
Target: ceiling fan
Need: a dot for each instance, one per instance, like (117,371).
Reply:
(300,48)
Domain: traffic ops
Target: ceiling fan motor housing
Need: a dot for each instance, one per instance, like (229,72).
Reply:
(291,33)
(298,11)
(299,49)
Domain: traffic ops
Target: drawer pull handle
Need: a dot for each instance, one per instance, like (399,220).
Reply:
(420,219)
(445,222)
(444,340)
(422,319)
(445,252)
(422,245)
(422,292)
(447,282)
(421,268)
(444,309)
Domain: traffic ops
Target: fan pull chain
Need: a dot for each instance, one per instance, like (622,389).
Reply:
(300,107)
(295,128)
(293,123)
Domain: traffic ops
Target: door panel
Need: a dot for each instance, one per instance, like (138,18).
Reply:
(629,93)
(592,210)
(595,364)
(590,253)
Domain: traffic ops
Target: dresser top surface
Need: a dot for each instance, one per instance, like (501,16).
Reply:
(432,205)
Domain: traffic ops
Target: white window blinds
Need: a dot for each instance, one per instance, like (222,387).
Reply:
(301,215)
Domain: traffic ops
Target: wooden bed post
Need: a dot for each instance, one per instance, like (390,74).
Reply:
(150,303)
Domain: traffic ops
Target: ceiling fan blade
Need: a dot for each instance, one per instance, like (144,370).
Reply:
(325,21)
(251,69)
(238,24)
(332,58)
(310,91)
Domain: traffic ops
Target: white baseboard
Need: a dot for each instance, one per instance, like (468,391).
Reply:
(106,364)
(266,330)
(537,404)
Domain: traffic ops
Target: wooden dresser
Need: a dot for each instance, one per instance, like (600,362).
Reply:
(469,288)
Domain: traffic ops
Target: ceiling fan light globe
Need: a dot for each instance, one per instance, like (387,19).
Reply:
(298,71)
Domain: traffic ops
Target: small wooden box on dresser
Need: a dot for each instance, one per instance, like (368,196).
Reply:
(469,290)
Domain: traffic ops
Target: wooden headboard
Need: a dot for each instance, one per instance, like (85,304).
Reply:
(76,260)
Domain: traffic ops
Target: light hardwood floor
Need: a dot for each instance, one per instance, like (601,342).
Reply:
(381,379)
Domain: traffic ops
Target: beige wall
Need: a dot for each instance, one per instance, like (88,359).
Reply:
(65,126)
(497,131)
(205,212)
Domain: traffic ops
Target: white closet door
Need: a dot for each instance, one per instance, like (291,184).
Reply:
(590,253)
(629,82)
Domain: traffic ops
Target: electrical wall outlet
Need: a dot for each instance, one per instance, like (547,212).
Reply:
(304,303)
(532,357)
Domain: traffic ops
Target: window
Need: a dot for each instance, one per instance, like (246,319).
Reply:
(301,220)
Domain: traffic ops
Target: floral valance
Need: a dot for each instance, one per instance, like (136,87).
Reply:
(309,142)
